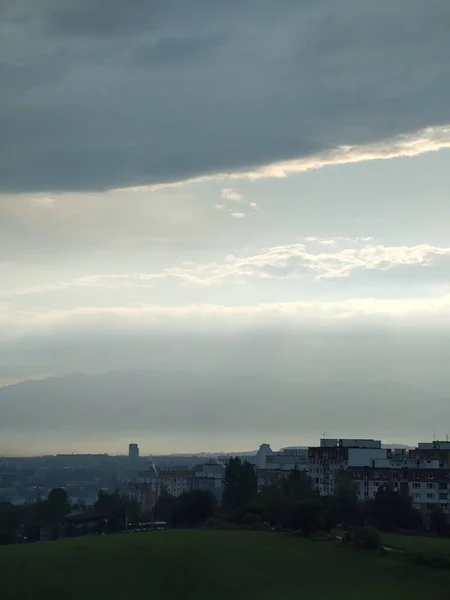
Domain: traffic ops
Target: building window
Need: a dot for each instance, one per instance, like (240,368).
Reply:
(430,496)
(416,485)
(395,475)
(430,486)
(376,483)
(416,475)
(417,496)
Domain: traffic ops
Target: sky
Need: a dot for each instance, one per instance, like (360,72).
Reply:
(225,187)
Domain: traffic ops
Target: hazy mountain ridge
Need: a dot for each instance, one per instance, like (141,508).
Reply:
(179,402)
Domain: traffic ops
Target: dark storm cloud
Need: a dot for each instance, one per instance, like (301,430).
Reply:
(100,93)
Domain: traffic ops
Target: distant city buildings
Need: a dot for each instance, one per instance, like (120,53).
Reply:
(176,480)
(423,472)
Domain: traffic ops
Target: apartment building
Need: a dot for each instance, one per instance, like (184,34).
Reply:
(209,476)
(145,489)
(322,463)
(176,481)
(437,450)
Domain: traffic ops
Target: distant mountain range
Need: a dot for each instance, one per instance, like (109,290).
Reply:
(183,403)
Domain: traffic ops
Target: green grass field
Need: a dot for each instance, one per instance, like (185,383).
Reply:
(416,543)
(209,564)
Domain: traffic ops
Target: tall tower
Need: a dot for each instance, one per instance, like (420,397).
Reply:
(264,451)
(133,451)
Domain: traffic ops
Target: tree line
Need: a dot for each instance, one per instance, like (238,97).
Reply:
(26,522)
(293,503)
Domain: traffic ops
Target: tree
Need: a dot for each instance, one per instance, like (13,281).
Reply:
(165,506)
(9,522)
(344,505)
(438,522)
(240,483)
(307,516)
(280,498)
(298,486)
(117,509)
(273,498)
(193,508)
(58,504)
(392,509)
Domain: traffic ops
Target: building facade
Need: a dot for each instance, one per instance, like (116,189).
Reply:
(145,489)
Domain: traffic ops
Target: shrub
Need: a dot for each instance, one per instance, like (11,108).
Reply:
(254,527)
(251,519)
(366,538)
(320,536)
(213,523)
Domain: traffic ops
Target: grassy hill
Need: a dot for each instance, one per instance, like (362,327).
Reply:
(205,565)
(417,543)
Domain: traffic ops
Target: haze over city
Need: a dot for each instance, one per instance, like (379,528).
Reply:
(223,224)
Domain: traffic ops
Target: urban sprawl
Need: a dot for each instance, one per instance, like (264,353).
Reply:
(422,471)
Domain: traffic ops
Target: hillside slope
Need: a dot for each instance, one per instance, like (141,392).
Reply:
(202,565)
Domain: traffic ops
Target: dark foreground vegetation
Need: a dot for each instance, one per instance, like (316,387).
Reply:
(201,564)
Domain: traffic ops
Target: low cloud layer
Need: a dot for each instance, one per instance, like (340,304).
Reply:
(314,260)
(95,97)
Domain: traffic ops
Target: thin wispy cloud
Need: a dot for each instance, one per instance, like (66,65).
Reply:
(314,260)
(43,200)
(231,195)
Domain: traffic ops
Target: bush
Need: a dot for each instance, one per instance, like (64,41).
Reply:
(213,523)
(217,524)
(251,519)
(253,522)
(254,527)
(256,510)
(320,536)
(366,538)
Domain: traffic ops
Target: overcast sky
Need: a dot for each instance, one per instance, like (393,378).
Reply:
(184,185)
